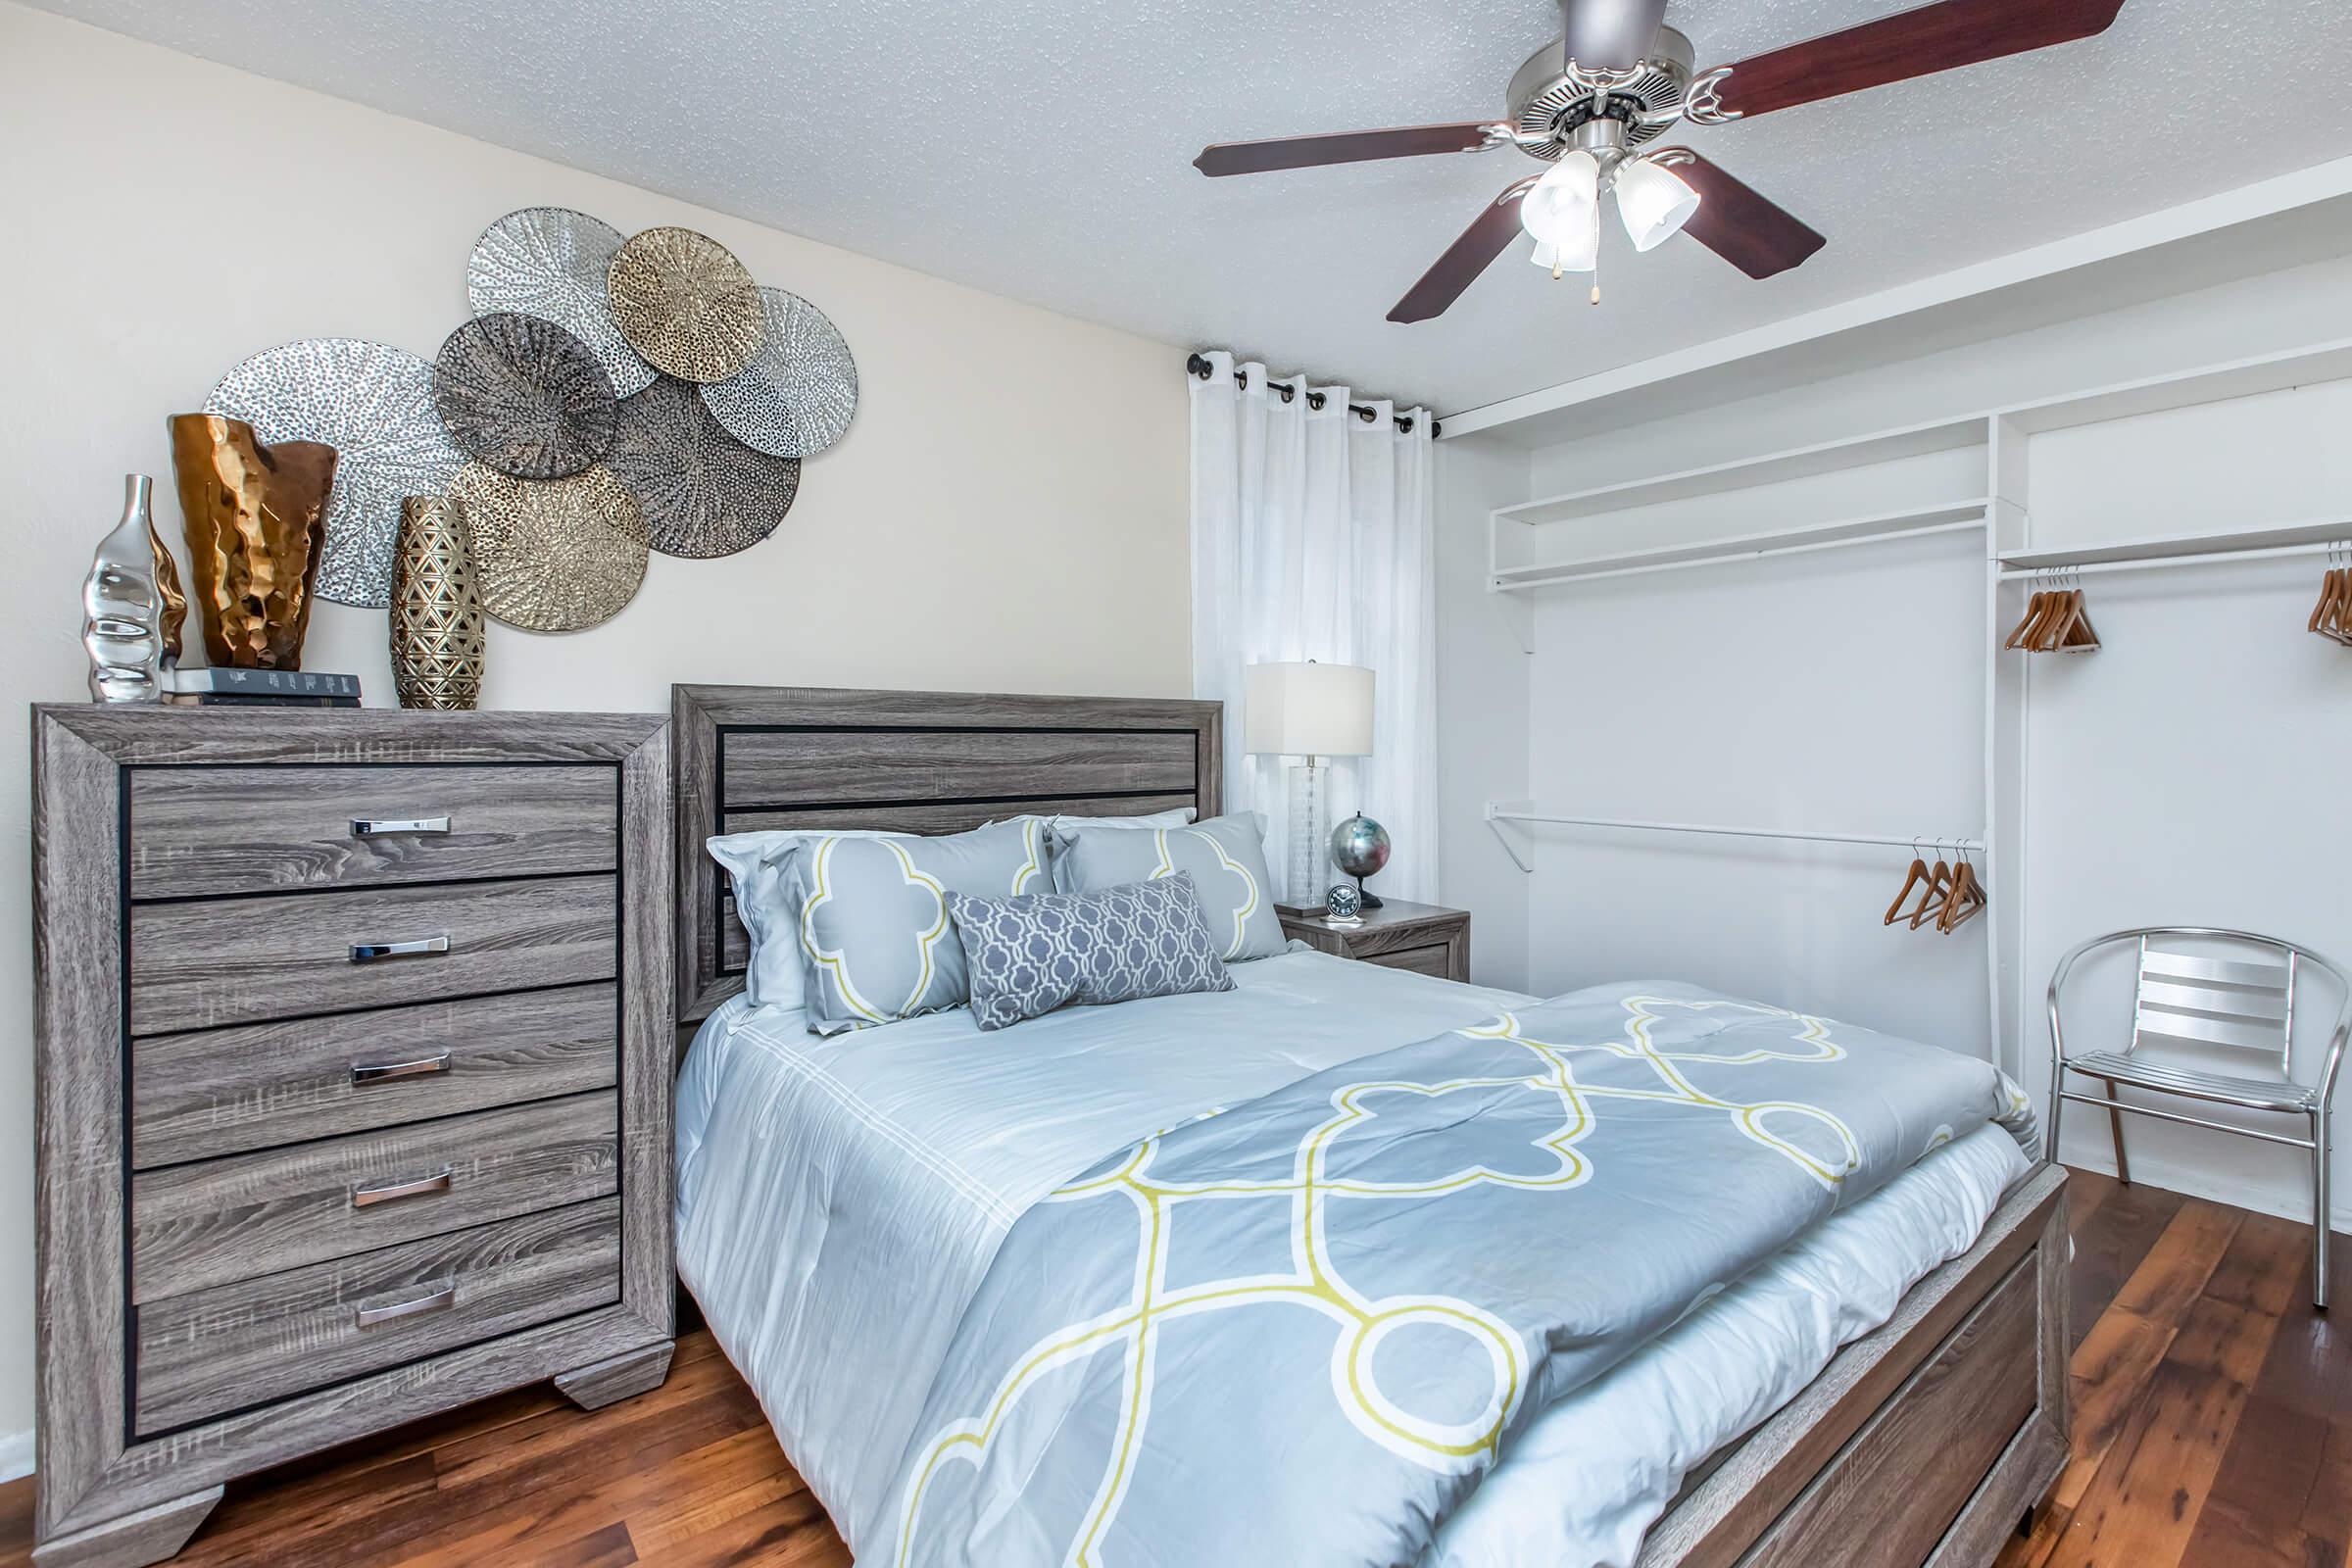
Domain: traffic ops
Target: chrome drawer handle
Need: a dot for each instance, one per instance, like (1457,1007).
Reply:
(369,827)
(369,952)
(375,1072)
(369,1317)
(437,1182)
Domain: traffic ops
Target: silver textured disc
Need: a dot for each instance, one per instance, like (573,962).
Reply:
(553,554)
(704,492)
(800,393)
(686,303)
(553,262)
(525,396)
(375,405)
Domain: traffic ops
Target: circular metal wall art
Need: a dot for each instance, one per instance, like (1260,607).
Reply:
(553,262)
(553,554)
(375,405)
(800,391)
(686,303)
(525,396)
(704,492)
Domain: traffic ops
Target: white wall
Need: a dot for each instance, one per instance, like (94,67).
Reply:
(2191,772)
(1009,512)
(1807,691)
(1482,705)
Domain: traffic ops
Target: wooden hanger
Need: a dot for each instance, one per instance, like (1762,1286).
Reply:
(2335,597)
(1939,893)
(2035,608)
(2068,628)
(1911,879)
(1967,900)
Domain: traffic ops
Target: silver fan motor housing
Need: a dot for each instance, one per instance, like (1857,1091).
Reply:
(1549,101)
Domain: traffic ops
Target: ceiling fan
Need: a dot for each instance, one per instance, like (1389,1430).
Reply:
(1616,79)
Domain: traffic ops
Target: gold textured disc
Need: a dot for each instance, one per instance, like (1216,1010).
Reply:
(686,303)
(553,554)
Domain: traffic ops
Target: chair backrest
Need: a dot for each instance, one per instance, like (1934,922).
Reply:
(2245,1003)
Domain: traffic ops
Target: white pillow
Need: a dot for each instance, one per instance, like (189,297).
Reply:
(755,864)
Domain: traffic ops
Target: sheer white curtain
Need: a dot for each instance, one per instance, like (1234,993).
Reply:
(1313,533)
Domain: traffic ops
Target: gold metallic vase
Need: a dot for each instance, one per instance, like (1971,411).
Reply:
(436,614)
(256,519)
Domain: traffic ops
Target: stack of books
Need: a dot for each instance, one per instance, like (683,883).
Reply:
(262,687)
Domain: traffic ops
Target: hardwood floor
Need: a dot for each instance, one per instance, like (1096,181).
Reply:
(2212,1429)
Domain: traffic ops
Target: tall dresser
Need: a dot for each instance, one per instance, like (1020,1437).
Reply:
(353,1086)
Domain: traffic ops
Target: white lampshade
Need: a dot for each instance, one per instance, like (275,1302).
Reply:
(1654,202)
(1562,211)
(1307,709)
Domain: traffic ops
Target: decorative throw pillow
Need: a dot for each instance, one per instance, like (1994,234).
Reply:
(1029,956)
(754,864)
(1227,859)
(876,942)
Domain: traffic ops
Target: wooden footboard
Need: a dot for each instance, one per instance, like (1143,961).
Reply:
(1923,1444)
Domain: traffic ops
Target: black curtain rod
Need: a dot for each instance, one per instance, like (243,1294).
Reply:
(1199,366)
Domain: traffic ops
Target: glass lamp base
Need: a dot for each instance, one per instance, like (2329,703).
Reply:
(1306,831)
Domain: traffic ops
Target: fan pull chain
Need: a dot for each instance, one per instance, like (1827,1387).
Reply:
(1596,274)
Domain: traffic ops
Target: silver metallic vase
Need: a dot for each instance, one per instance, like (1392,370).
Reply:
(124,607)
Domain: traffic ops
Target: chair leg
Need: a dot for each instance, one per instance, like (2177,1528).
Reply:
(2319,1210)
(2115,1124)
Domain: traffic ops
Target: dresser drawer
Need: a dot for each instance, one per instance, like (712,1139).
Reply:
(241,960)
(214,1351)
(221,1220)
(204,831)
(253,1086)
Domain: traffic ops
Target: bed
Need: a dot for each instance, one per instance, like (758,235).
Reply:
(1888,1387)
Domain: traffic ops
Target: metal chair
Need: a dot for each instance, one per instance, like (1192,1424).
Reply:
(2240,1003)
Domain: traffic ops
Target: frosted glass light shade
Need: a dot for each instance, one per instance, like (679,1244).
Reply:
(1653,203)
(1307,709)
(1562,212)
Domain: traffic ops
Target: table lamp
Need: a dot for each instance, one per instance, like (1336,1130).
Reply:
(1310,711)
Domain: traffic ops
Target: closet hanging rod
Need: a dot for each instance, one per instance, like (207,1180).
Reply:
(2203,557)
(1499,815)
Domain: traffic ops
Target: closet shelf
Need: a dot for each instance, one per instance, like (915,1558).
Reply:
(1875,527)
(1499,811)
(1795,463)
(2309,537)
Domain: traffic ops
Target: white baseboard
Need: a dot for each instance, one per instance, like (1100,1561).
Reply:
(16,1454)
(2262,1198)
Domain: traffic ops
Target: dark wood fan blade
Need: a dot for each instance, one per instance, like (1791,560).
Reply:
(1486,237)
(1910,43)
(1753,235)
(1610,34)
(1342,147)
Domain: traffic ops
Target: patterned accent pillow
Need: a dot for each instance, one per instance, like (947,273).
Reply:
(876,942)
(1029,956)
(1225,855)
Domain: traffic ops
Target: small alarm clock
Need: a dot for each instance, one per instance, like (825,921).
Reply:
(1343,906)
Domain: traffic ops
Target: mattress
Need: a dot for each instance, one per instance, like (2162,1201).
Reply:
(840,1200)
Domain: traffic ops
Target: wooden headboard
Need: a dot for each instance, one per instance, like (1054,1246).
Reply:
(772,756)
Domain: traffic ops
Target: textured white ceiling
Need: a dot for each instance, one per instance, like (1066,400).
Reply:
(1040,148)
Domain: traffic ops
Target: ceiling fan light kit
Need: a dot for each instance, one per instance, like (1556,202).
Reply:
(1618,78)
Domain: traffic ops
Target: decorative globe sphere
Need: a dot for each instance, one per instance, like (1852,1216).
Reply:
(1360,846)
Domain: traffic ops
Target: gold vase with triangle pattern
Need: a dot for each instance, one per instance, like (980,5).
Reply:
(436,614)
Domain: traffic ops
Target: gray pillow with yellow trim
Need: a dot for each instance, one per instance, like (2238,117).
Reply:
(1225,855)
(875,940)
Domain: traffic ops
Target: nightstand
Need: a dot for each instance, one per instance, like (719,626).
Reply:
(1421,937)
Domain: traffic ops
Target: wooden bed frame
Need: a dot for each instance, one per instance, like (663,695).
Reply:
(1926,1443)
